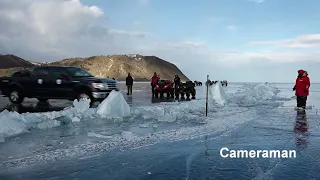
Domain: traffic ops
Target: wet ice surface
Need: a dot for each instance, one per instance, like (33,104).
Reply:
(172,140)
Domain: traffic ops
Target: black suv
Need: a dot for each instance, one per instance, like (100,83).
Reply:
(55,82)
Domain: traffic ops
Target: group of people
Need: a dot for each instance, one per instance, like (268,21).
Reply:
(154,81)
(129,82)
(302,89)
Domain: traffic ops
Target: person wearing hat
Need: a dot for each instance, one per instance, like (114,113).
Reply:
(302,89)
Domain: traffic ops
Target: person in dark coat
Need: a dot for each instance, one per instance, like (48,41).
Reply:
(129,83)
(177,80)
(177,83)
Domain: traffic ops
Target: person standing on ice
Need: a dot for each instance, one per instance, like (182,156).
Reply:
(302,89)
(154,82)
(129,83)
(176,81)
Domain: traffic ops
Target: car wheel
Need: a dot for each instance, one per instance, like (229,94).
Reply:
(43,99)
(15,96)
(85,95)
(15,107)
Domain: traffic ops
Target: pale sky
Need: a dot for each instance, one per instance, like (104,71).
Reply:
(234,40)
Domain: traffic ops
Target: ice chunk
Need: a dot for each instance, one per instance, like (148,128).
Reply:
(75,119)
(167,118)
(114,105)
(82,105)
(256,94)
(217,94)
(48,124)
(63,119)
(11,124)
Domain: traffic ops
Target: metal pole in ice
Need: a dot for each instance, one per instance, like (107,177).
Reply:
(207,84)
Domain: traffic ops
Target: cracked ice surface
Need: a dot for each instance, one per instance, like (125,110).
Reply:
(221,118)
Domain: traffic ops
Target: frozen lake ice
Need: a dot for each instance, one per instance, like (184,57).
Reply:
(137,137)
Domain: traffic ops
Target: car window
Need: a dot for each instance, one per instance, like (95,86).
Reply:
(57,73)
(16,74)
(78,72)
(25,73)
(41,72)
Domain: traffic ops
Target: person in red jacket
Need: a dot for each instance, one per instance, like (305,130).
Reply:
(302,88)
(154,82)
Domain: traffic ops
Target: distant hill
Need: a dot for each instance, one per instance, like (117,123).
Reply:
(12,61)
(118,66)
